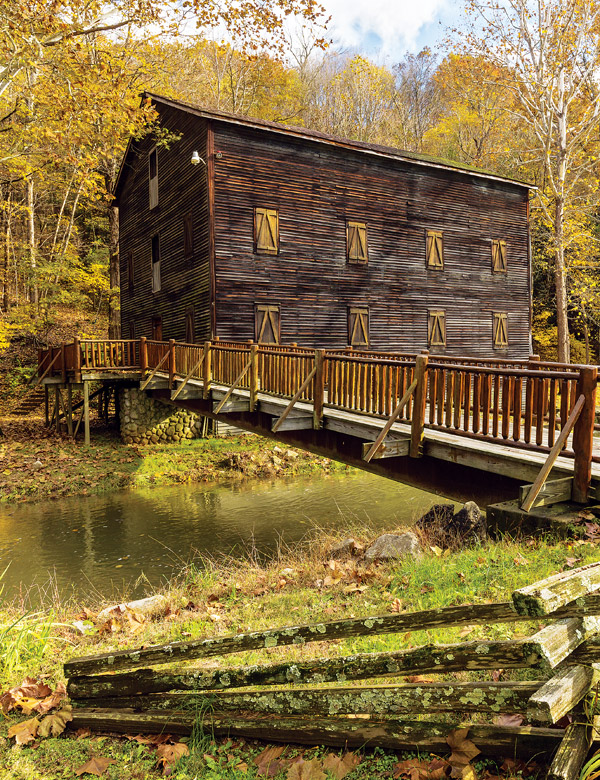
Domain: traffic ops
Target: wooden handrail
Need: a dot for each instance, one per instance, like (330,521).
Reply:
(154,370)
(394,416)
(275,427)
(554,453)
(227,395)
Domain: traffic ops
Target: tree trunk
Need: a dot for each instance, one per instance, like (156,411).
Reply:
(560,283)
(33,288)
(6,252)
(114,308)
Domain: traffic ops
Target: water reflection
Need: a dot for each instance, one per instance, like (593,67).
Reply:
(105,543)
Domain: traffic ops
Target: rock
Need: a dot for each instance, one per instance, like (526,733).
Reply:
(439,514)
(278,450)
(444,528)
(150,606)
(468,524)
(37,465)
(389,547)
(277,461)
(345,549)
(291,455)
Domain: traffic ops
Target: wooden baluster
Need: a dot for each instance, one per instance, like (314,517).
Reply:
(417,428)
(367,387)
(171,363)
(253,376)
(319,388)
(409,379)
(381,393)
(517,408)
(496,409)
(564,402)
(458,389)
(552,412)
(539,412)
(572,396)
(440,396)
(528,409)
(143,355)
(433,381)
(449,396)
(467,402)
(583,435)
(207,369)
(476,400)
(506,393)
(77,359)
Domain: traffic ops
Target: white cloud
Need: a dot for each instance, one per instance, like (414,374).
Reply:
(387,28)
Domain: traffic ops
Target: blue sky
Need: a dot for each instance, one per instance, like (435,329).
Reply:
(385,29)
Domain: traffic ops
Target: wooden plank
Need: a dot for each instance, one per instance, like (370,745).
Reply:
(394,416)
(278,423)
(572,752)
(561,693)
(546,596)
(295,423)
(555,642)
(406,699)
(231,405)
(553,491)
(389,448)
(583,435)
(522,741)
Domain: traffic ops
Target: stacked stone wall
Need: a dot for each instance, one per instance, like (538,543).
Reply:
(144,420)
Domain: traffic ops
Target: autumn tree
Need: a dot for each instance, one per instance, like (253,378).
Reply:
(416,98)
(546,54)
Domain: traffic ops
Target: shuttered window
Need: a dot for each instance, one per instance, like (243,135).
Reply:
(153,178)
(130,271)
(189,326)
(266,230)
(356,238)
(500,329)
(266,324)
(499,256)
(155,264)
(188,236)
(358,326)
(436,329)
(434,249)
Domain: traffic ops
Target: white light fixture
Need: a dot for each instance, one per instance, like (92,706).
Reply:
(196,159)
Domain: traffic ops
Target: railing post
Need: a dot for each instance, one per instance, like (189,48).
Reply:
(418,416)
(319,385)
(207,369)
(143,355)
(583,435)
(171,363)
(63,358)
(77,358)
(253,376)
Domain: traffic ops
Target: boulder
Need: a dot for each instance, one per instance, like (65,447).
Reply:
(345,549)
(444,528)
(438,515)
(469,525)
(389,547)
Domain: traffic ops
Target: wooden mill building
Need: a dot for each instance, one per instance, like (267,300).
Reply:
(282,234)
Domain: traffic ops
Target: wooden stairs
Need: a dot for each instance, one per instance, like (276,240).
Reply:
(30,402)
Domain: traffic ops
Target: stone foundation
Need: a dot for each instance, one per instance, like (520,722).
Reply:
(144,420)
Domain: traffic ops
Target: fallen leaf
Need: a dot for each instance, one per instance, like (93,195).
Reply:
(306,770)
(396,606)
(97,765)
(340,766)
(169,755)
(25,731)
(509,720)
(463,751)
(53,725)
(268,762)
(51,701)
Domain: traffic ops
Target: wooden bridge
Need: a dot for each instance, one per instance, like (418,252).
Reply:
(486,430)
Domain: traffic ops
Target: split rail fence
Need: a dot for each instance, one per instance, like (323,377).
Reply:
(528,405)
(318,701)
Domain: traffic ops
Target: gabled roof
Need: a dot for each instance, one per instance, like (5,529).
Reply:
(318,137)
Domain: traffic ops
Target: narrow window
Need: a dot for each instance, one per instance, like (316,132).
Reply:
(155,264)
(189,326)
(188,236)
(434,249)
(266,230)
(500,329)
(266,324)
(358,326)
(157,328)
(130,271)
(356,239)
(153,177)
(436,329)
(499,256)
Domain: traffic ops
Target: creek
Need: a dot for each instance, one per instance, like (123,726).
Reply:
(131,541)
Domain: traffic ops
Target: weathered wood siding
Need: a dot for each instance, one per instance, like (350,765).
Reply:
(182,188)
(317,188)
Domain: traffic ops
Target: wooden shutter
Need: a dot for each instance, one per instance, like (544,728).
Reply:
(157,328)
(500,329)
(435,249)
(156,284)
(266,227)
(356,236)
(189,326)
(130,271)
(436,329)
(358,326)
(266,324)
(499,256)
(153,178)
(188,236)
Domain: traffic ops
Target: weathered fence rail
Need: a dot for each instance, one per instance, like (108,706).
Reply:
(317,704)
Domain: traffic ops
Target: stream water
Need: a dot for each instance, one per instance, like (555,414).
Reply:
(133,540)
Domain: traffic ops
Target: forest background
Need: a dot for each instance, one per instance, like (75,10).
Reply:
(513,90)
